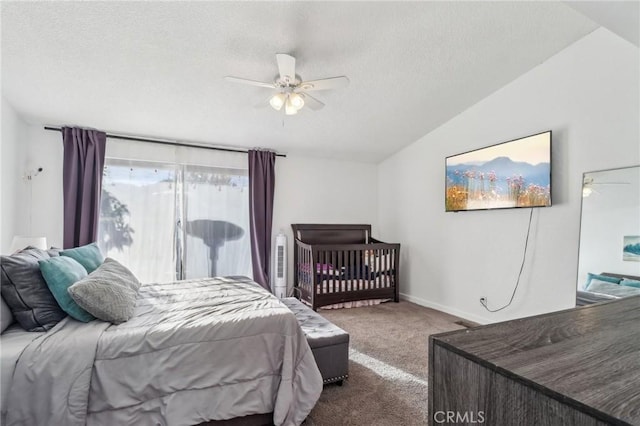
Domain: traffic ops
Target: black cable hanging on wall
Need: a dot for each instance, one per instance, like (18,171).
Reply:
(483,301)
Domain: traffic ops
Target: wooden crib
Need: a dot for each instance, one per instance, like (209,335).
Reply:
(343,263)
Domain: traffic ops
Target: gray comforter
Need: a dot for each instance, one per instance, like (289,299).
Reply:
(194,351)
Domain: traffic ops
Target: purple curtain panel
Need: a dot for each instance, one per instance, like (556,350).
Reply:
(82,184)
(261,186)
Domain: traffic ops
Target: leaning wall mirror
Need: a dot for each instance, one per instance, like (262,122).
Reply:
(609,256)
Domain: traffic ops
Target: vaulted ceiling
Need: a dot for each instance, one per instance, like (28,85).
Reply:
(156,68)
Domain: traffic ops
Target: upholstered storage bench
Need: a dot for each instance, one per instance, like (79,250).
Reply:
(329,343)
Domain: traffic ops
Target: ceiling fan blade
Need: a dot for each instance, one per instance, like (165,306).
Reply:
(312,102)
(250,82)
(286,66)
(324,84)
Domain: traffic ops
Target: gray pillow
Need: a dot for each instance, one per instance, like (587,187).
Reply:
(5,316)
(109,293)
(25,291)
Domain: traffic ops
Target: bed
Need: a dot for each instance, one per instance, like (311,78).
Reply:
(195,351)
(601,291)
(338,264)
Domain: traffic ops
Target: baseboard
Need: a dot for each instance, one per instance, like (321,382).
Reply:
(446,309)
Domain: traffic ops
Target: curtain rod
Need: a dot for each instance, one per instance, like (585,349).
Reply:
(165,142)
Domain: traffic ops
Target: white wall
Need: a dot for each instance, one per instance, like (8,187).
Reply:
(314,190)
(45,150)
(588,95)
(13,155)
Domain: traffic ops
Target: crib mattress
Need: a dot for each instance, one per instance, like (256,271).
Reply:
(333,286)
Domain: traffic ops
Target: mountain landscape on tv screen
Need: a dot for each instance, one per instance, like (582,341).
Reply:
(498,183)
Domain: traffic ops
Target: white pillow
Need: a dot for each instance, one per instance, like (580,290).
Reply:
(597,282)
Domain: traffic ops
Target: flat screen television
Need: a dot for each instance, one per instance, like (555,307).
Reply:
(511,174)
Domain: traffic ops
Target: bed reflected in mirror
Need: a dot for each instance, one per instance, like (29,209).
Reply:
(609,256)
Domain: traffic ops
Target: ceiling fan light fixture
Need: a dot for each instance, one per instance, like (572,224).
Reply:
(297,101)
(289,109)
(277,101)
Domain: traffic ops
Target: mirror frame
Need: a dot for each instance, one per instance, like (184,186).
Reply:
(581,300)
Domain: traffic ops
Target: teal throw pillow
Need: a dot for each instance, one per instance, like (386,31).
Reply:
(88,256)
(60,273)
(604,278)
(630,283)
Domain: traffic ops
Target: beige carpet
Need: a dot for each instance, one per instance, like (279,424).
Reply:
(387,383)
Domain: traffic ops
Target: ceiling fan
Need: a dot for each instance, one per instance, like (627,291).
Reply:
(290,91)
(588,184)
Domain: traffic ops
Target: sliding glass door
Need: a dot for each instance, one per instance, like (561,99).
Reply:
(216,212)
(173,221)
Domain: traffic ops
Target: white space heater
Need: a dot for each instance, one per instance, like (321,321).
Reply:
(280,267)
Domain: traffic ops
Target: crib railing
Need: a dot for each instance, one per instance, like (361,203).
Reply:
(334,273)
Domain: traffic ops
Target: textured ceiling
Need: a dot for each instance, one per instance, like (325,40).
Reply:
(156,68)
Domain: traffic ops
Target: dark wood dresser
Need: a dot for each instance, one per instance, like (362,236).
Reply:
(575,367)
